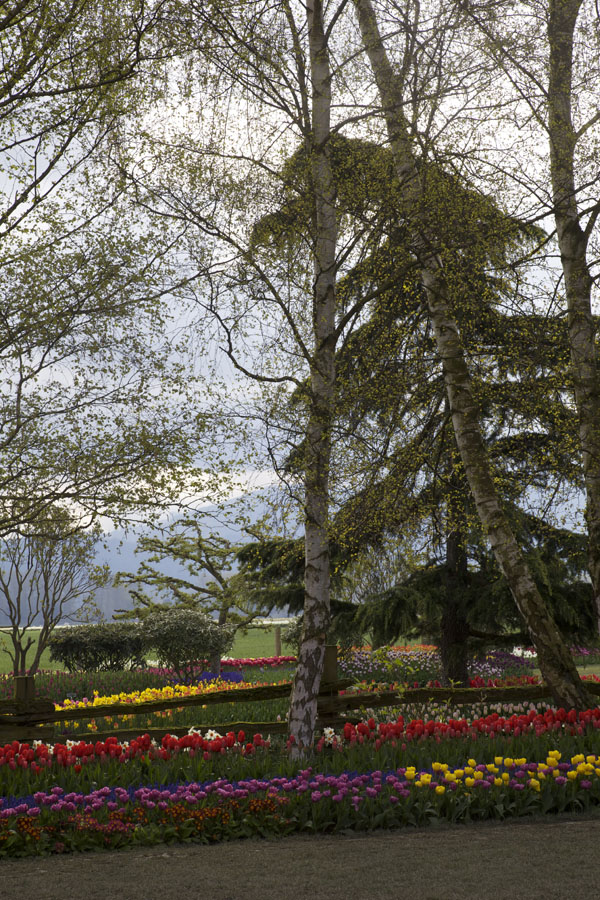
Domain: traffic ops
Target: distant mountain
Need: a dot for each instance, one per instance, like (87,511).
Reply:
(119,553)
(117,549)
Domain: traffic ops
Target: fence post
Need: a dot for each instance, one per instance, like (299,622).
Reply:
(328,692)
(24,688)
(330,664)
(278,640)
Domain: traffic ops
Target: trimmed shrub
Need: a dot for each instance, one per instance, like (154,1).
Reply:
(107,646)
(181,638)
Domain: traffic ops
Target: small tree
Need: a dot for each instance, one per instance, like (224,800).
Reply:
(206,579)
(47,573)
(182,637)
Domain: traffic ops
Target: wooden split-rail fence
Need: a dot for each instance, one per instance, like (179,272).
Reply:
(27,717)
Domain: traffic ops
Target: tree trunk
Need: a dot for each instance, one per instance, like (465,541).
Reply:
(215,664)
(215,661)
(555,660)
(453,644)
(303,703)
(572,242)
(455,628)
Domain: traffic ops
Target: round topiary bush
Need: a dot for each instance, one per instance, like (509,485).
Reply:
(103,647)
(181,638)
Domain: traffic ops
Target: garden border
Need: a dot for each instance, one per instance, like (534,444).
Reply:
(28,717)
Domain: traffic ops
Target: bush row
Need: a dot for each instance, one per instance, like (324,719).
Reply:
(178,638)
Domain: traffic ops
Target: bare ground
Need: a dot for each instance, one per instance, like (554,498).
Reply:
(554,858)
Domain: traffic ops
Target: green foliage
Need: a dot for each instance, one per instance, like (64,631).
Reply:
(413,479)
(274,572)
(414,606)
(181,637)
(107,646)
(207,580)
(48,572)
(292,634)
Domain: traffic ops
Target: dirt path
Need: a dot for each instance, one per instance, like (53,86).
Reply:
(549,859)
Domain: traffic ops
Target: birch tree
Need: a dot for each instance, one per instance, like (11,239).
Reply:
(547,54)
(555,661)
(272,63)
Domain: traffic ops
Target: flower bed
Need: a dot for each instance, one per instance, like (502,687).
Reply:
(76,685)
(490,760)
(265,710)
(386,774)
(420,665)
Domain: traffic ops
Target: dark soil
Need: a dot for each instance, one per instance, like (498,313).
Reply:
(551,858)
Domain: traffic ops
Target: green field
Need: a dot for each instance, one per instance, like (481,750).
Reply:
(257,642)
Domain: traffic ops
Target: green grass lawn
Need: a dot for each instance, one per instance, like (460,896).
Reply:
(257,642)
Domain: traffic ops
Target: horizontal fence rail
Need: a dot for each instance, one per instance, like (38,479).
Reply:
(28,717)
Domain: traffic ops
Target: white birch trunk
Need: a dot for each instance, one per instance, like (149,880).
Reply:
(572,242)
(555,660)
(303,703)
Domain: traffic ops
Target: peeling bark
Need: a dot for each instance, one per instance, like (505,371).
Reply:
(572,242)
(555,660)
(303,704)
